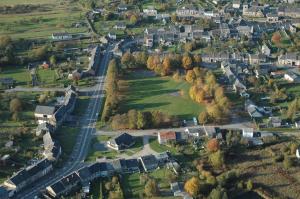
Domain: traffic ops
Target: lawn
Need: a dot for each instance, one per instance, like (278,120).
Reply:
(159,147)
(21,75)
(132,187)
(66,136)
(145,92)
(81,105)
(94,153)
(57,16)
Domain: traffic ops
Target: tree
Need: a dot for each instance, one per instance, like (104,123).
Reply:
(249,185)
(215,112)
(39,53)
(141,59)
(276,37)
(52,60)
(217,159)
(200,96)
(128,60)
(15,105)
(190,76)
(218,193)
(166,65)
(151,188)
(197,59)
(5,41)
(203,117)
(141,120)
(219,92)
(187,62)
(192,186)
(213,145)
(132,119)
(150,62)
(133,19)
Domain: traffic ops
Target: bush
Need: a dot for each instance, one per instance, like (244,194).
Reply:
(217,159)
(249,185)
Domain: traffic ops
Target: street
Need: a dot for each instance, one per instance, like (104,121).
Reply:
(82,144)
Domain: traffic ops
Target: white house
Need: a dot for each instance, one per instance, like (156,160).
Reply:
(236,4)
(265,50)
(298,153)
(61,36)
(248,132)
(291,77)
(44,113)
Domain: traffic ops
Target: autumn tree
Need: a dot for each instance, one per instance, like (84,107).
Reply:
(15,105)
(213,145)
(127,60)
(166,65)
(197,59)
(203,117)
(276,37)
(132,119)
(187,62)
(217,159)
(141,59)
(151,188)
(133,19)
(190,76)
(192,186)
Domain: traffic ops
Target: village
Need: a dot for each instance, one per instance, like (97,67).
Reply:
(152,99)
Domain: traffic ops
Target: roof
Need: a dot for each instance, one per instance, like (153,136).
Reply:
(132,163)
(84,173)
(149,160)
(98,167)
(45,127)
(123,139)
(275,119)
(3,192)
(7,80)
(45,110)
(169,135)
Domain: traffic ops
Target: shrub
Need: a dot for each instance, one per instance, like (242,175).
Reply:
(249,185)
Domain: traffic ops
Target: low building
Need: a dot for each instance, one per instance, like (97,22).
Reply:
(291,77)
(120,26)
(7,82)
(44,114)
(150,11)
(112,35)
(27,176)
(275,122)
(52,149)
(61,36)
(195,132)
(44,128)
(236,4)
(289,59)
(265,50)
(272,18)
(120,142)
(166,137)
(149,162)
(248,132)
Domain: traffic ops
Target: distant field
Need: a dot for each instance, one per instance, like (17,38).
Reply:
(58,17)
(146,93)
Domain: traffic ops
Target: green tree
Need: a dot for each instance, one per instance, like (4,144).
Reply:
(218,193)
(141,120)
(249,185)
(128,60)
(52,60)
(132,119)
(217,159)
(203,117)
(133,19)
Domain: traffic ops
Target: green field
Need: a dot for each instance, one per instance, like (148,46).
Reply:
(21,75)
(159,147)
(58,16)
(146,93)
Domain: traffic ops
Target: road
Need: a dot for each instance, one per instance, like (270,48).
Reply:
(84,137)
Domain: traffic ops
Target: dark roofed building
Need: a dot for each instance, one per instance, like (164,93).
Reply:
(4,194)
(149,162)
(7,82)
(120,142)
(44,128)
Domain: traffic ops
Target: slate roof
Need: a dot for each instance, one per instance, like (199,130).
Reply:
(45,110)
(149,160)
(3,193)
(84,173)
(123,139)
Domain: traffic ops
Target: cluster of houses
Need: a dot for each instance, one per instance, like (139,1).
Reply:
(83,177)
(49,118)
(94,62)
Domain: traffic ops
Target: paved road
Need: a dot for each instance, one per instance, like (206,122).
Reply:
(82,144)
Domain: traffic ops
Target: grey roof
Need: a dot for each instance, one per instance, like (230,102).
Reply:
(124,139)
(45,110)
(149,160)
(84,173)
(3,193)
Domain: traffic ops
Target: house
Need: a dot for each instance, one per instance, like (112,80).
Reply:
(150,11)
(112,35)
(28,175)
(291,76)
(293,12)
(99,169)
(122,7)
(61,36)
(178,190)
(7,82)
(255,59)
(298,153)
(120,26)
(236,4)
(289,59)
(44,128)
(94,61)
(148,40)
(275,122)
(195,132)
(188,11)
(253,11)
(149,162)
(248,132)
(84,175)
(166,137)
(163,157)
(131,166)
(118,165)
(4,193)
(64,185)
(297,124)
(265,50)
(272,18)
(120,142)
(44,114)
(52,149)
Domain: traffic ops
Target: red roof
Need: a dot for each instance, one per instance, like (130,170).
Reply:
(170,135)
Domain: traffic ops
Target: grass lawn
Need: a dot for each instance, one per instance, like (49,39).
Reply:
(145,92)
(159,147)
(67,136)
(21,75)
(132,187)
(81,105)
(110,154)
(57,16)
